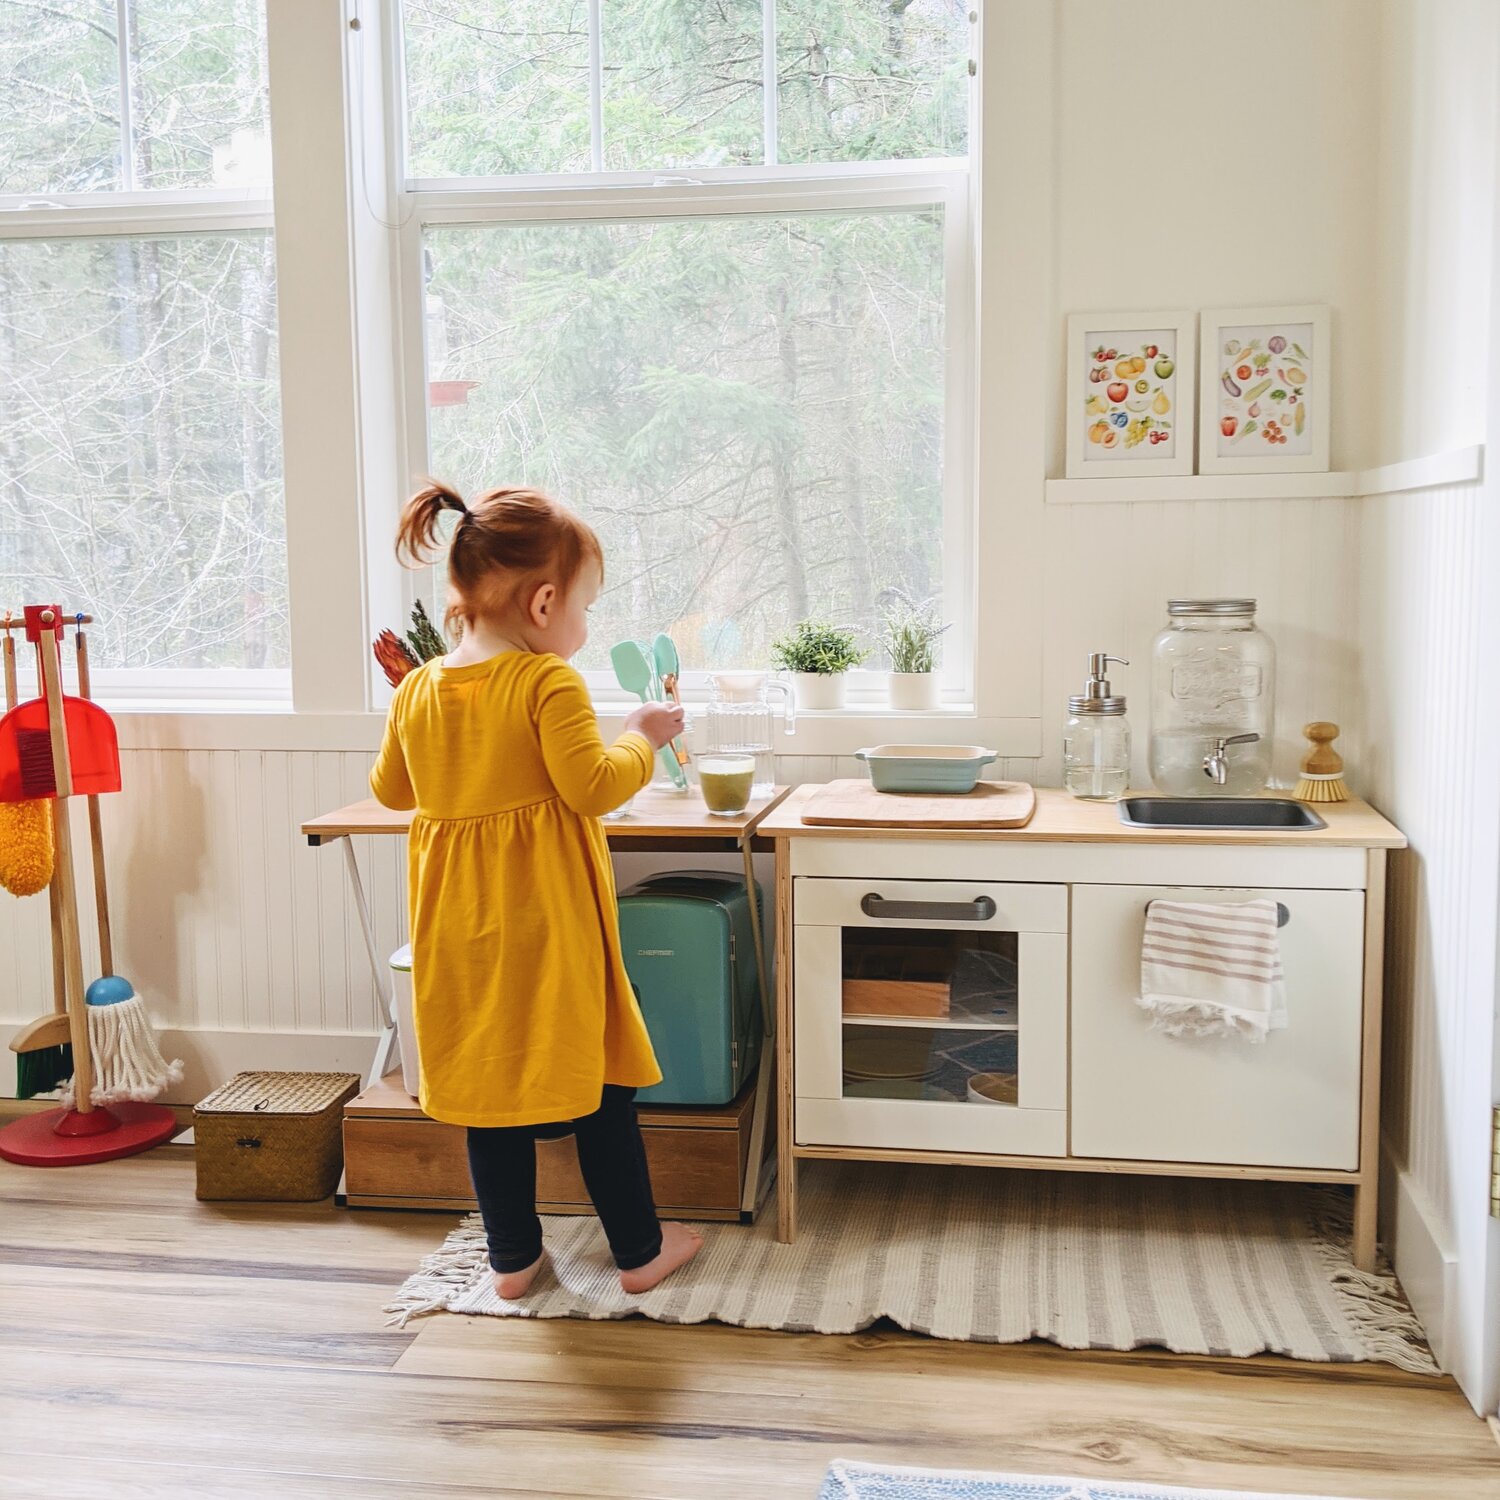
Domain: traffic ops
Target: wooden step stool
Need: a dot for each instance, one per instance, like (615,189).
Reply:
(397,1157)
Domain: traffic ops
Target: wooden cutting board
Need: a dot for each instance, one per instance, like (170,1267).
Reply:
(856,804)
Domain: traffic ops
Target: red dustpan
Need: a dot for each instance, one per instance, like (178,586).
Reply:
(26,755)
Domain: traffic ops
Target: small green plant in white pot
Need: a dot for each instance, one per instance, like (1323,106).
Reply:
(910,635)
(817,655)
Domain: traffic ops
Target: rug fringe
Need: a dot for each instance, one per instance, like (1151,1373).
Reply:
(1371,1300)
(443,1276)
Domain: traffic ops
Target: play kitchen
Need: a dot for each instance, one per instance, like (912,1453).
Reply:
(978,972)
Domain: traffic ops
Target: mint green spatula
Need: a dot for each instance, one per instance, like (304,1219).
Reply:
(633,673)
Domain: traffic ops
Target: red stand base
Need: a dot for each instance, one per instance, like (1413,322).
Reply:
(65,1138)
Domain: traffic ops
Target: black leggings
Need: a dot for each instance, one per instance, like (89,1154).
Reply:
(612,1157)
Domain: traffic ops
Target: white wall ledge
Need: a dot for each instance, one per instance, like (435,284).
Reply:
(1456,466)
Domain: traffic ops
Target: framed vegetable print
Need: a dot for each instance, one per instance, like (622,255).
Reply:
(1130,394)
(1263,406)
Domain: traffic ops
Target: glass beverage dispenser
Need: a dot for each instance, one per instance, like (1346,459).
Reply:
(1213,700)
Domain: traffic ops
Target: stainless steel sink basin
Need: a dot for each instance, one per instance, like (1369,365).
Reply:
(1217,812)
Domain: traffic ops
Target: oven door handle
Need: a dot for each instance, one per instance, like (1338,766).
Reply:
(980,909)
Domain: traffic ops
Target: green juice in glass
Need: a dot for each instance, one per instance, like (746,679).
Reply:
(725,781)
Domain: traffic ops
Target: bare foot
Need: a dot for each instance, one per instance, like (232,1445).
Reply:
(513,1285)
(679,1245)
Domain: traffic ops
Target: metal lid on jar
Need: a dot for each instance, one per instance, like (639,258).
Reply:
(1219,607)
(1084,704)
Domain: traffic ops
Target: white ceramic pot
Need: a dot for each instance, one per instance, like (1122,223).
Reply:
(913,692)
(819,689)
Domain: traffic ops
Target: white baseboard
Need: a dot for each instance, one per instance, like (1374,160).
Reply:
(210,1057)
(1425,1262)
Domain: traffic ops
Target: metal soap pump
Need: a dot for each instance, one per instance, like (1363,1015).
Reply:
(1096,738)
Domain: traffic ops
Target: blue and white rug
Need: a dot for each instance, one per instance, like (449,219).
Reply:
(851,1481)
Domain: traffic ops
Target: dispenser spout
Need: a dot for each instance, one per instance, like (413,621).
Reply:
(1215,763)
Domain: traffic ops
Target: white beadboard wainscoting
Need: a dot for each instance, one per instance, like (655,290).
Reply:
(223,918)
(1426,756)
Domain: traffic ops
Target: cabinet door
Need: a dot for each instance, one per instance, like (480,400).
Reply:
(1290,1101)
(931,1015)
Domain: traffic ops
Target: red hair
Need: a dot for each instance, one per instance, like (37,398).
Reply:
(507,542)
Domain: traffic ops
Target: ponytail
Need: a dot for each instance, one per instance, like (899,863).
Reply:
(508,540)
(417,535)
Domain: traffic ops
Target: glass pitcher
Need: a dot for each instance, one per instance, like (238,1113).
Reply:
(741,720)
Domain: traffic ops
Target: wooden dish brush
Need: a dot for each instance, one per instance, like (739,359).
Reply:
(1322,766)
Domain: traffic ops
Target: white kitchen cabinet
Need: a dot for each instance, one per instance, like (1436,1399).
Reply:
(882,932)
(1141,1094)
(932,1015)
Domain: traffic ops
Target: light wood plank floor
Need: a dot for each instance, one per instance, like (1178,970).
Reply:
(153,1346)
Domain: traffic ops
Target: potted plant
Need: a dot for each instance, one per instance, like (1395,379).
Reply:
(817,655)
(910,634)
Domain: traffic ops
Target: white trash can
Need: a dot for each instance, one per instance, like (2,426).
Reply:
(406,1035)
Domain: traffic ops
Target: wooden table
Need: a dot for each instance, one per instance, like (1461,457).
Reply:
(660,820)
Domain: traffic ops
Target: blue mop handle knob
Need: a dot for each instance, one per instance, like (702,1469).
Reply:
(110,990)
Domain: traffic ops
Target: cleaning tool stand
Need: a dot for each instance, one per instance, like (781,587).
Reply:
(37,763)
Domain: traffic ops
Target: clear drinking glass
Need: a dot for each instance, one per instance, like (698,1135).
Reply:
(727,783)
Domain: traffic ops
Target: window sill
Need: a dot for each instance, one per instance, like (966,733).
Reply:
(827,733)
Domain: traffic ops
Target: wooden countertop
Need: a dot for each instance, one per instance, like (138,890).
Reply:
(655,813)
(1064,819)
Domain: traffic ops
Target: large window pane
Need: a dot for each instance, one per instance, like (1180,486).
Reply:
(197,77)
(198,84)
(872,80)
(140,455)
(682,84)
(495,87)
(750,410)
(60,80)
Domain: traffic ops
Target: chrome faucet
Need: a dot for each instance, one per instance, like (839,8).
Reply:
(1215,767)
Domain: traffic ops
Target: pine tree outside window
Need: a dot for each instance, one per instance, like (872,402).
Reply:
(702,270)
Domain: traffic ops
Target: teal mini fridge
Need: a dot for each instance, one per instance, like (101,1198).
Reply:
(690,953)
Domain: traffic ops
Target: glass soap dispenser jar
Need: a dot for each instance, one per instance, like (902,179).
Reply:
(1096,738)
(1213,700)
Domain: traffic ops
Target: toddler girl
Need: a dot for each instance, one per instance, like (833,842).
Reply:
(526,1021)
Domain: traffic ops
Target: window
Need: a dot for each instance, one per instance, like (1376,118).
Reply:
(700,270)
(140,471)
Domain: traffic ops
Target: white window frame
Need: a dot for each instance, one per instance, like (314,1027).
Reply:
(772,189)
(348,394)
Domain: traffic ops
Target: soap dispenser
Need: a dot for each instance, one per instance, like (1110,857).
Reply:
(1096,739)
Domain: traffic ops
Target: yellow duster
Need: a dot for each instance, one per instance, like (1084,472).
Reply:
(25,846)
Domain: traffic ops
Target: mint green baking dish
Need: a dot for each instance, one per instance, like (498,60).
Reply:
(952,769)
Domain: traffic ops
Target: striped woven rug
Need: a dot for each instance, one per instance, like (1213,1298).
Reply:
(1088,1262)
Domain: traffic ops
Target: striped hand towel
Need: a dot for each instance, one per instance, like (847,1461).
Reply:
(1213,969)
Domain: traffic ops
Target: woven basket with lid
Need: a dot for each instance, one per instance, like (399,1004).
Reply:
(273,1137)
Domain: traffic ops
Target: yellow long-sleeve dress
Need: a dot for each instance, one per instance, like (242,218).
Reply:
(522,1006)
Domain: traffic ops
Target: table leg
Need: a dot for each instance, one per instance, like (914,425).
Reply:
(786,1159)
(760,1117)
(384,990)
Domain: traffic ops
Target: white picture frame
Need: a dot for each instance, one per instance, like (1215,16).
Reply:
(1266,421)
(1114,435)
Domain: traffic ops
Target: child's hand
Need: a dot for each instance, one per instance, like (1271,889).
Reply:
(659,722)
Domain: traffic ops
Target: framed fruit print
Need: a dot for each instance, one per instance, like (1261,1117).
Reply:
(1130,394)
(1263,405)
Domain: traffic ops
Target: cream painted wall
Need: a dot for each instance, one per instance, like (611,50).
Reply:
(1255,183)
